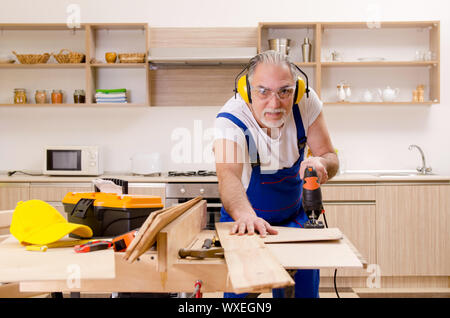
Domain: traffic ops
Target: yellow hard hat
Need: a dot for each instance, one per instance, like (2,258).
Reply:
(37,222)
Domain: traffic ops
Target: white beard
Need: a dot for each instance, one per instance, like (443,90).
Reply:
(273,124)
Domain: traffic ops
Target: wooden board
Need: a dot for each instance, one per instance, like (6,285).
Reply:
(18,264)
(155,222)
(251,266)
(178,234)
(290,234)
(315,255)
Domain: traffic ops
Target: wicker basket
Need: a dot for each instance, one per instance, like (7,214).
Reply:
(32,58)
(132,57)
(69,57)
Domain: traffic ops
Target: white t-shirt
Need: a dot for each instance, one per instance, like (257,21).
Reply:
(275,154)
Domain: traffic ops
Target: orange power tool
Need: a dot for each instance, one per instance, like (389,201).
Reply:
(312,199)
(121,242)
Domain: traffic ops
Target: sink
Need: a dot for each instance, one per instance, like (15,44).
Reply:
(390,173)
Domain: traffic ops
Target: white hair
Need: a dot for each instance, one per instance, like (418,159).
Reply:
(271,57)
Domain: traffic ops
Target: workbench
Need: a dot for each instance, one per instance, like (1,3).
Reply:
(160,269)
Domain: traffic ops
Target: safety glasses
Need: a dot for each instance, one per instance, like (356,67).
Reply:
(264,93)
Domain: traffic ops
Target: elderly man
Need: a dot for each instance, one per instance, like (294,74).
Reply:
(261,134)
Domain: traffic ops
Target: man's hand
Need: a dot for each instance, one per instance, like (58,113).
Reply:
(317,163)
(250,224)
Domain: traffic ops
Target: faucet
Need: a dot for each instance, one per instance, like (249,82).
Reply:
(424,169)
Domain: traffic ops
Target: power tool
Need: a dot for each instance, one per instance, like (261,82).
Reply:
(312,199)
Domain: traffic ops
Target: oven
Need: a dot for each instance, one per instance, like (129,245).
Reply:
(179,192)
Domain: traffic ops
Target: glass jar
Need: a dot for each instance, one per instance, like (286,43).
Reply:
(40,97)
(20,96)
(79,96)
(57,96)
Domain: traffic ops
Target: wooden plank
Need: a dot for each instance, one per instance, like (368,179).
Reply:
(18,264)
(289,234)
(146,236)
(142,276)
(315,255)
(178,234)
(250,264)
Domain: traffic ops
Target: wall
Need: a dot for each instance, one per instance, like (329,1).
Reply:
(369,137)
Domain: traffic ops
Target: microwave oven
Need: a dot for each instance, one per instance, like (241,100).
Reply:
(73,160)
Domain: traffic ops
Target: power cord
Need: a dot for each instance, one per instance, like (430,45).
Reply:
(335,270)
(10,173)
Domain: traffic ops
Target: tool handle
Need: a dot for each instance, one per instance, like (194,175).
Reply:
(207,244)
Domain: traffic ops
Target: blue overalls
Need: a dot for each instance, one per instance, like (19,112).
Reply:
(277,198)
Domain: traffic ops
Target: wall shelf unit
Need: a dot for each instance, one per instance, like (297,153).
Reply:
(198,66)
(92,39)
(365,56)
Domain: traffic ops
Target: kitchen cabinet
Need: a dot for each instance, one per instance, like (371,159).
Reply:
(352,209)
(202,80)
(54,193)
(158,189)
(11,193)
(91,39)
(412,229)
(367,57)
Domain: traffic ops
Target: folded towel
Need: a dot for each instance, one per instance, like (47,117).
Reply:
(106,98)
(112,95)
(111,102)
(109,91)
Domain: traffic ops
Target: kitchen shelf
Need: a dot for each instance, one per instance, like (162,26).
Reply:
(119,65)
(76,105)
(43,65)
(390,44)
(93,39)
(380,63)
(179,79)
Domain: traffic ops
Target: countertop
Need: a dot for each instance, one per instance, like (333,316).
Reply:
(344,178)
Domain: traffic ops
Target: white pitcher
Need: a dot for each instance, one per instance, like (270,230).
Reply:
(388,94)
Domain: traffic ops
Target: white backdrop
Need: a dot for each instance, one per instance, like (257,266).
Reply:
(369,137)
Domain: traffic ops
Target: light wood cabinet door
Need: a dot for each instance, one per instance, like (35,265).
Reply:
(351,208)
(11,193)
(412,229)
(357,222)
(54,193)
(158,189)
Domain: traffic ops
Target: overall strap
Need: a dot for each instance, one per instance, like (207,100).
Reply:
(301,135)
(252,150)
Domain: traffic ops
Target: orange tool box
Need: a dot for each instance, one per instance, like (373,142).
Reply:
(109,214)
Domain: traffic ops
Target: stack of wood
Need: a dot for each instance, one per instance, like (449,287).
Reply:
(157,220)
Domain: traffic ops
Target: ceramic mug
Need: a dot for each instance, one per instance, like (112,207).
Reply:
(110,57)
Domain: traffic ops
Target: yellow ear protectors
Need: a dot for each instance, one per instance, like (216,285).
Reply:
(242,86)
